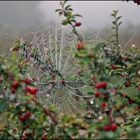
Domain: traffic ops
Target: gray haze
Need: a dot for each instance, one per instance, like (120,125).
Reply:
(19,15)
(26,16)
(96,14)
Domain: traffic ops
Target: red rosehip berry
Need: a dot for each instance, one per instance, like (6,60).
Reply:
(103,104)
(22,118)
(107,128)
(127,83)
(27,81)
(62,82)
(138,87)
(97,94)
(102,84)
(79,45)
(113,126)
(130,101)
(113,67)
(27,126)
(31,90)
(27,114)
(77,24)
(15,84)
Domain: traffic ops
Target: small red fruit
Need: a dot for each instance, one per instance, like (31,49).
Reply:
(97,94)
(27,81)
(104,104)
(22,118)
(127,83)
(31,90)
(27,126)
(138,87)
(77,24)
(62,82)
(102,84)
(79,46)
(113,126)
(15,84)
(107,128)
(113,67)
(27,114)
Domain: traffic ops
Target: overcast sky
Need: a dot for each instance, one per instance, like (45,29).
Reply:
(96,14)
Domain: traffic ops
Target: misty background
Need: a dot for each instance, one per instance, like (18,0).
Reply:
(26,16)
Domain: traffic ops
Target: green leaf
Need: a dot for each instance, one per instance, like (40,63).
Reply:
(70,9)
(64,3)
(3,105)
(57,10)
(119,23)
(119,17)
(77,15)
(67,7)
(69,14)
(65,22)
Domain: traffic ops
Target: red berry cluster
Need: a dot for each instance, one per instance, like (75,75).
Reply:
(27,81)
(127,83)
(25,116)
(31,90)
(110,127)
(113,67)
(103,104)
(28,88)
(100,85)
(14,86)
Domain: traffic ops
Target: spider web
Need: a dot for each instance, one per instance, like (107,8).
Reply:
(52,63)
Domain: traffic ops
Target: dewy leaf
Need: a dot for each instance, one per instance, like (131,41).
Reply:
(68,6)
(77,15)
(69,14)
(65,22)
(119,17)
(119,23)
(70,9)
(57,10)
(64,3)
(113,27)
